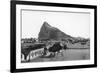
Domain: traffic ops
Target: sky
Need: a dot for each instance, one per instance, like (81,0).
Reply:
(72,23)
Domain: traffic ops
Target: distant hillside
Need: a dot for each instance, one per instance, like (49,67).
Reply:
(49,35)
(47,32)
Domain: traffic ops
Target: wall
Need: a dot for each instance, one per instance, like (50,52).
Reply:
(5,36)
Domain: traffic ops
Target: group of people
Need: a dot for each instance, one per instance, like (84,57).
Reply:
(56,48)
(48,51)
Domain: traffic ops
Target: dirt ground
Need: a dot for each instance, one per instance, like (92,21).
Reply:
(67,55)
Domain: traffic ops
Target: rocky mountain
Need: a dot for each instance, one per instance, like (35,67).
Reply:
(48,32)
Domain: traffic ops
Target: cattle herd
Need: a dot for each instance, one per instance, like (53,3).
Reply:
(42,51)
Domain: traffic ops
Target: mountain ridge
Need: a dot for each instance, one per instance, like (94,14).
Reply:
(49,32)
